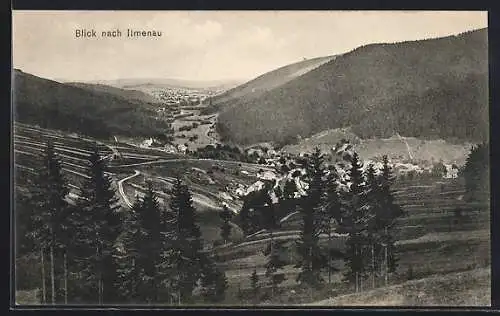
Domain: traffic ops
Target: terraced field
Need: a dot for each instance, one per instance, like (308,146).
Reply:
(433,239)
(123,160)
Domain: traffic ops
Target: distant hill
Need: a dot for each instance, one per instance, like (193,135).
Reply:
(270,80)
(131,83)
(435,88)
(132,95)
(51,104)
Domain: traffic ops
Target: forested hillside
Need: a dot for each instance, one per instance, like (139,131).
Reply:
(51,104)
(132,95)
(434,88)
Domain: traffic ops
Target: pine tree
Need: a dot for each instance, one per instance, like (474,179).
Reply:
(373,228)
(129,272)
(387,219)
(247,216)
(354,222)
(225,229)
(276,254)
(187,248)
(213,280)
(311,258)
(144,245)
(99,226)
(49,217)
(169,258)
(150,243)
(254,284)
(252,211)
(476,173)
(331,213)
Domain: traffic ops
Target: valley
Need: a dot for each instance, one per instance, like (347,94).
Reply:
(347,171)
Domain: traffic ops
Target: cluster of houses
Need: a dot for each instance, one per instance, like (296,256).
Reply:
(183,96)
(339,156)
(168,148)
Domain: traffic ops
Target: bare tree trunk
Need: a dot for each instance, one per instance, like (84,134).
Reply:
(386,265)
(272,253)
(99,276)
(373,266)
(329,254)
(52,276)
(356,272)
(65,278)
(356,282)
(361,283)
(44,290)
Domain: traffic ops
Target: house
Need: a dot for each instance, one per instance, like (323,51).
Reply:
(169,148)
(147,143)
(182,148)
(451,172)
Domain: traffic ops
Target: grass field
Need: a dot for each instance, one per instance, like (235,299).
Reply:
(470,288)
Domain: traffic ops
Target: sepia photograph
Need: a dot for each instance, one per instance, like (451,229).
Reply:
(251,159)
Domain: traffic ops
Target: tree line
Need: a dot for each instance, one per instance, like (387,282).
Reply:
(365,214)
(92,251)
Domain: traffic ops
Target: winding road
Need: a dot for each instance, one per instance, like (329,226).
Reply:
(120,187)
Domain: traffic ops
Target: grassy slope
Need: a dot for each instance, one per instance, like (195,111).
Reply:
(425,88)
(471,288)
(395,148)
(270,80)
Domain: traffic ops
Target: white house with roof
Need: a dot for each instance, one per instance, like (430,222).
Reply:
(182,148)
(147,143)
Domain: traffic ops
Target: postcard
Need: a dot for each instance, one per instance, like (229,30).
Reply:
(251,158)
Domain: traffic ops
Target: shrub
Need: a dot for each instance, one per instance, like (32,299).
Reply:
(439,169)
(409,273)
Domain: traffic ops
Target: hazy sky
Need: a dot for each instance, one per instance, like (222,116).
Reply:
(210,45)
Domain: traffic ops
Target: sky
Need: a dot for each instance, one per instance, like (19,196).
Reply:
(210,45)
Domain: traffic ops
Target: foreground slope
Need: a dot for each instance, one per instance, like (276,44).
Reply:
(54,105)
(427,88)
(471,288)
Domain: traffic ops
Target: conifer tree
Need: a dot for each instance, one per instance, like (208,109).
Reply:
(390,211)
(129,271)
(213,280)
(225,229)
(311,258)
(247,216)
(143,246)
(253,210)
(276,254)
(187,248)
(476,173)
(169,258)
(331,213)
(49,217)
(374,227)
(150,243)
(99,226)
(254,285)
(354,222)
